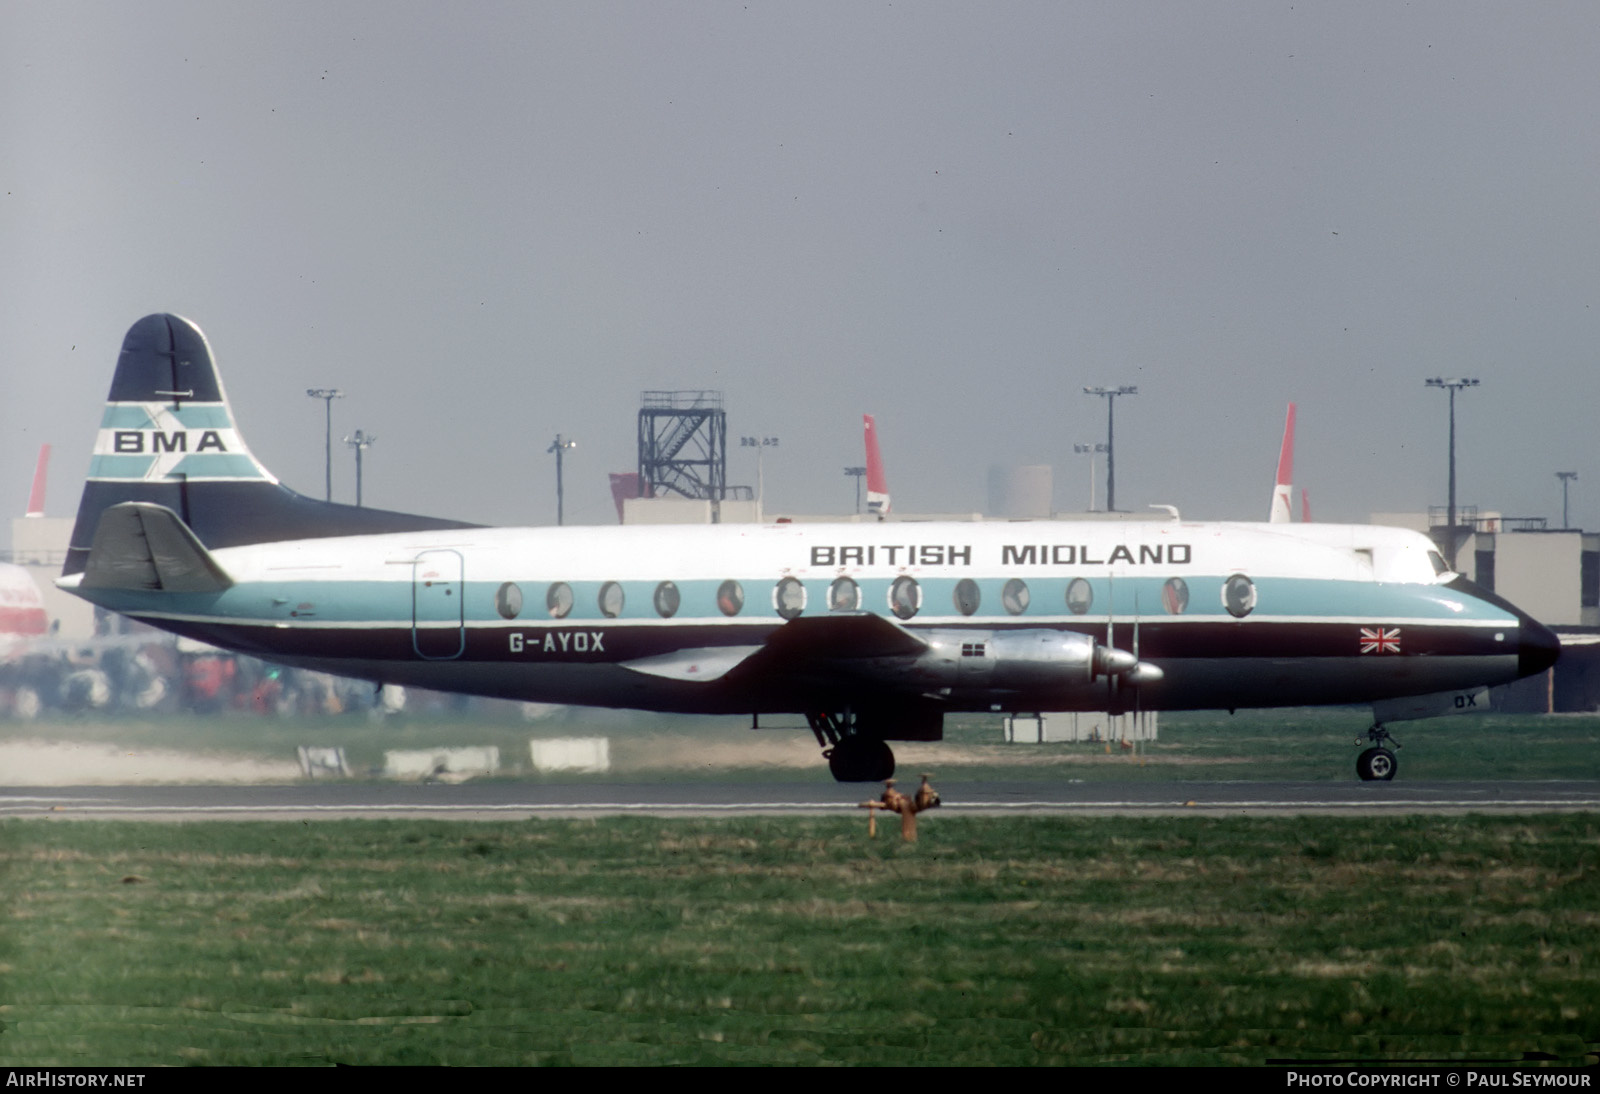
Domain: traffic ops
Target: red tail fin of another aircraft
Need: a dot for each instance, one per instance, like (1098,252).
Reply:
(36,495)
(877,482)
(1281,512)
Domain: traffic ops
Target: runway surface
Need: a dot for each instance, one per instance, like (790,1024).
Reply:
(517,801)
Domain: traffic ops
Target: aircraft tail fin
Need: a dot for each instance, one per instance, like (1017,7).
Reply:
(1281,512)
(168,438)
(877,483)
(36,493)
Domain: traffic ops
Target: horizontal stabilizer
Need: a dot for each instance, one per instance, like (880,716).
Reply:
(146,547)
(702,665)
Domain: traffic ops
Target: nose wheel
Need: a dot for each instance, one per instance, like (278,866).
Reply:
(1377,764)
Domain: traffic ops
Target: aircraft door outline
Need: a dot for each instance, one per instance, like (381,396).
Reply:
(438,616)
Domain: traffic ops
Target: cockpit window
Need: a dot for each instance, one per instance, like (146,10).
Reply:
(1440,568)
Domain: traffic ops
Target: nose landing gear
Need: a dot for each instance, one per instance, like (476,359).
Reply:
(1377,763)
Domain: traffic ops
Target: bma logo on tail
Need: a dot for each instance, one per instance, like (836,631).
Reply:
(155,442)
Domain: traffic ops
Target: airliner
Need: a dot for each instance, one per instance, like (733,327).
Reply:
(873,632)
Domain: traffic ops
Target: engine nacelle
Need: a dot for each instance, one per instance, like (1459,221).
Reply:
(1030,660)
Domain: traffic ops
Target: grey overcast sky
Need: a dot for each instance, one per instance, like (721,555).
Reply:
(492,222)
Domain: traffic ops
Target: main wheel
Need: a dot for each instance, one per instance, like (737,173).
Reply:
(861,760)
(1376,764)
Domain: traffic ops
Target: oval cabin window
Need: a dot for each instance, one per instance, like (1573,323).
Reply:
(844,595)
(1239,596)
(1080,596)
(789,598)
(905,597)
(1175,596)
(558,600)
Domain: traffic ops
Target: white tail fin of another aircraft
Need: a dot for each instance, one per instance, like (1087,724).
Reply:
(1281,512)
(877,482)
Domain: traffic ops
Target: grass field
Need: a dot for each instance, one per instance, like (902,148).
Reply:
(1304,745)
(783,941)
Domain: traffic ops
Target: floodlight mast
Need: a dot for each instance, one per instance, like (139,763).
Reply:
(1565,477)
(559,447)
(856,473)
(1089,450)
(1452,385)
(327,395)
(360,442)
(1110,395)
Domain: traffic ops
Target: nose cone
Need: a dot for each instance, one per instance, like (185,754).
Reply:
(1537,647)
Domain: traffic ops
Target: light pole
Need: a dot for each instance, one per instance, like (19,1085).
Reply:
(1452,385)
(327,395)
(1110,395)
(760,444)
(360,442)
(856,473)
(1089,450)
(559,446)
(1565,477)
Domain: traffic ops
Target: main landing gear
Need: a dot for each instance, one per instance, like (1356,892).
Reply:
(853,757)
(1377,763)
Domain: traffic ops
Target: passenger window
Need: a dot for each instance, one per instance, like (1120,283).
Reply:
(967,596)
(905,596)
(789,597)
(559,600)
(730,598)
(1015,596)
(1239,596)
(611,600)
(1175,596)
(844,595)
(1080,596)
(667,600)
(508,600)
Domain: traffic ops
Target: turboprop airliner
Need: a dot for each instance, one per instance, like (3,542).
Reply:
(873,632)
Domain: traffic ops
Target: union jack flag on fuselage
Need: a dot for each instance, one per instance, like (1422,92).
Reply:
(1380,639)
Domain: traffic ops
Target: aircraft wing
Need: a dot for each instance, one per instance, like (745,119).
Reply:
(799,643)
